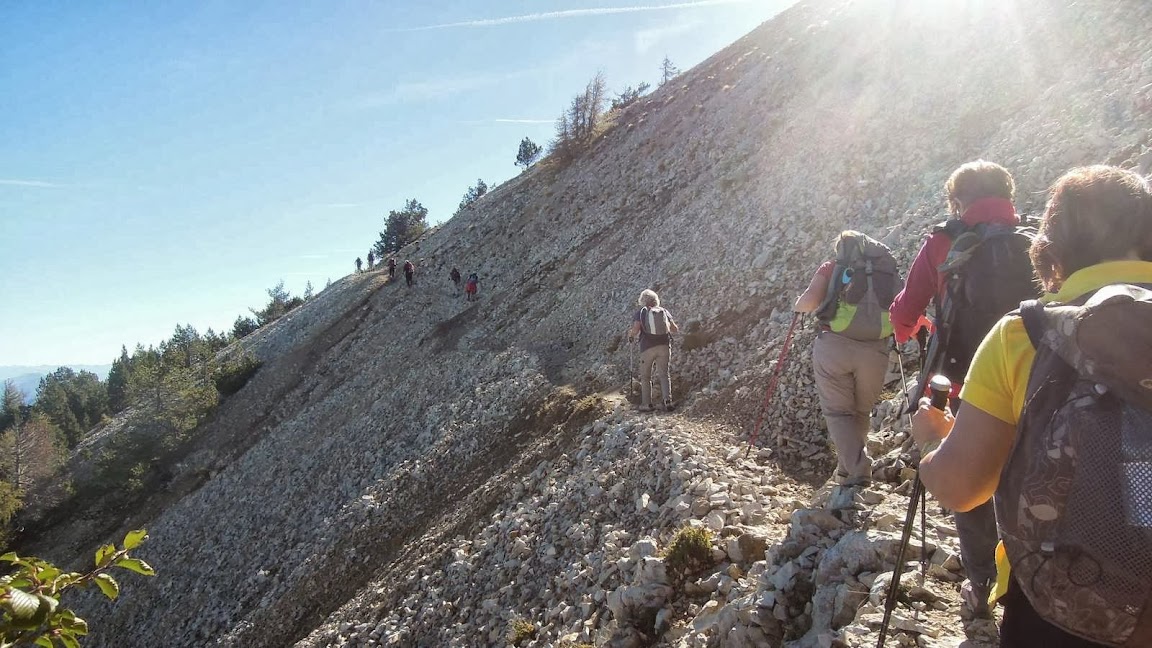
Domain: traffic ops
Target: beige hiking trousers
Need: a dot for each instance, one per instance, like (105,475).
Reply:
(655,359)
(849,379)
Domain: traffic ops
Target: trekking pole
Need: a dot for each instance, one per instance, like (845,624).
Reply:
(796,317)
(940,392)
(923,494)
(909,519)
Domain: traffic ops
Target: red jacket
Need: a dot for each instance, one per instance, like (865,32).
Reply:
(924,281)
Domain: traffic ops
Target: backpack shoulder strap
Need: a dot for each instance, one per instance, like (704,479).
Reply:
(1032,311)
(951,228)
(827,309)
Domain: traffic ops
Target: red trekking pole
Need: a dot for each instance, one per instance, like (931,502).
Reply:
(774,381)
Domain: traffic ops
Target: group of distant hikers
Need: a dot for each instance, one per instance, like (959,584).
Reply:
(1043,443)
(471,284)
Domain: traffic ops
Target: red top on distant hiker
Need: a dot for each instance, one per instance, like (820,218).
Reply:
(924,281)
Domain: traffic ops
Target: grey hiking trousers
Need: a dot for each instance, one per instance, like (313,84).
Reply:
(978,538)
(656,359)
(849,378)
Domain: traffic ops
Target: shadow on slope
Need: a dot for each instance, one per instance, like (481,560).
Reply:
(440,501)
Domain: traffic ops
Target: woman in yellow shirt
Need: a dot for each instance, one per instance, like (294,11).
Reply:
(1096,231)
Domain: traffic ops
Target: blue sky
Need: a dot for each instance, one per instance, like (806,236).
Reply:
(167,163)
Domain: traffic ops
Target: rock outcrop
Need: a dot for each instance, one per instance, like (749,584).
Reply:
(410,469)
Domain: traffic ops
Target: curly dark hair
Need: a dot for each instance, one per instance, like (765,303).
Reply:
(1094,214)
(979,179)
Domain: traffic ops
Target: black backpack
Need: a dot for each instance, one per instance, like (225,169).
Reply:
(988,273)
(861,288)
(1074,502)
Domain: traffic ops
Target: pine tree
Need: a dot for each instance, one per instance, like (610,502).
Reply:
(472,195)
(629,96)
(29,446)
(73,401)
(528,153)
(244,326)
(667,70)
(576,127)
(12,414)
(401,228)
(33,452)
(173,398)
(117,383)
(280,301)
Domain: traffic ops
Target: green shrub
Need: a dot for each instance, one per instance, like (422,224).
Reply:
(689,552)
(231,376)
(522,630)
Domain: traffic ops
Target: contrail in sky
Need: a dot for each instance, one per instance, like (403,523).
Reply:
(29,183)
(569,13)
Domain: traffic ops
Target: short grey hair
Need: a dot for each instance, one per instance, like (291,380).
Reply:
(649,298)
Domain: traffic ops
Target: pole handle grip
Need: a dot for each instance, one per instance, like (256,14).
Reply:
(940,387)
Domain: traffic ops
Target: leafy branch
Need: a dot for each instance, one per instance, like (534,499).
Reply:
(30,612)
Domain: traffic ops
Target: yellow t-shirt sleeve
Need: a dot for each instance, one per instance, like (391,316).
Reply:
(998,378)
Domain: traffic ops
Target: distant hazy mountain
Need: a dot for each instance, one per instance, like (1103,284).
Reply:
(27,378)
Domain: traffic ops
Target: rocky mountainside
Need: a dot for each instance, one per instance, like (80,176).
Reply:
(411,469)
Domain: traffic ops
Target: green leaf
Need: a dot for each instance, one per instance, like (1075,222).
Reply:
(108,585)
(44,641)
(22,604)
(10,557)
(68,640)
(135,538)
(104,554)
(48,573)
(48,604)
(136,565)
(63,582)
(70,623)
(28,611)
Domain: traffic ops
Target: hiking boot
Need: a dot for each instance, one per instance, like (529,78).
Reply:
(645,408)
(975,597)
(841,478)
(668,406)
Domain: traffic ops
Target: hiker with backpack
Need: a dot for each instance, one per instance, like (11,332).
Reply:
(472,286)
(409,273)
(850,295)
(653,326)
(391,268)
(1056,421)
(455,277)
(371,260)
(974,268)
(359,265)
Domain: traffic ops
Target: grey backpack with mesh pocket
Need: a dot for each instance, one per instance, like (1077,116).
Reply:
(1074,502)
